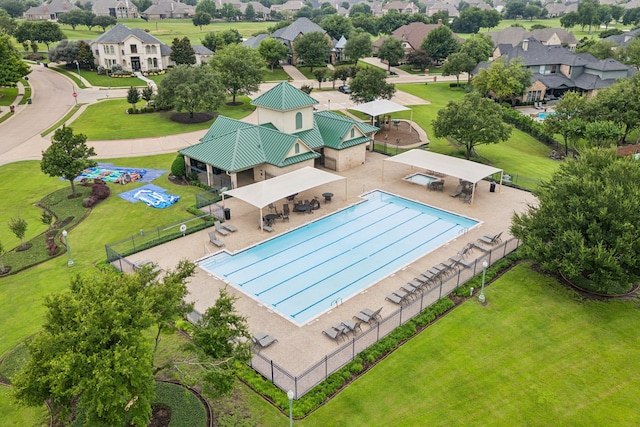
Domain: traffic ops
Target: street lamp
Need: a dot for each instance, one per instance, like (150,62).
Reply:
(481,298)
(66,242)
(109,83)
(77,65)
(290,396)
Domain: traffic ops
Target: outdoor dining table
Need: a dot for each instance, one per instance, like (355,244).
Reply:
(327,197)
(270,218)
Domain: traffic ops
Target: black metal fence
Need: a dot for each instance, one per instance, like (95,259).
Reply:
(330,363)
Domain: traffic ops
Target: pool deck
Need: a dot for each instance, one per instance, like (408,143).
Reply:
(299,347)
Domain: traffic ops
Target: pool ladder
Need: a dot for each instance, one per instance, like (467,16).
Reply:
(337,302)
(463,230)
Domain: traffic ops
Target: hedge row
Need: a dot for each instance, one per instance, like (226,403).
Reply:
(527,124)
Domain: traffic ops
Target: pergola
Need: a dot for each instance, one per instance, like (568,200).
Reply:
(380,107)
(271,190)
(447,165)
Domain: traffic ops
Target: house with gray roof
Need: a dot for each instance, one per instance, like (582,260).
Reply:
(289,135)
(49,11)
(623,40)
(557,69)
(119,9)
(164,9)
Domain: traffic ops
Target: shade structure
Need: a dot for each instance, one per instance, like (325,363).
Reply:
(271,190)
(379,107)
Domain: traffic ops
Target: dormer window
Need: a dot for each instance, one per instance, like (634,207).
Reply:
(353,133)
(296,147)
(298,120)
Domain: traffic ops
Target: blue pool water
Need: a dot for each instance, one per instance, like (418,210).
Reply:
(420,179)
(300,274)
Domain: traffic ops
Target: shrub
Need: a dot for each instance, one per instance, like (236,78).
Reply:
(100,191)
(306,89)
(527,124)
(89,202)
(178,167)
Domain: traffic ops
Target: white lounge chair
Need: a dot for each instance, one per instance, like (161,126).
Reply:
(229,227)
(221,230)
(214,240)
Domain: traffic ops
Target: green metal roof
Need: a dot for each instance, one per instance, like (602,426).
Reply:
(284,97)
(311,137)
(223,125)
(334,129)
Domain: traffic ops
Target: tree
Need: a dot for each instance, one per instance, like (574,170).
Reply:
(73,18)
(229,12)
(458,63)
(250,13)
(504,81)
(632,53)
(469,22)
(312,49)
(531,11)
(182,52)
(514,9)
(359,9)
(223,335)
(391,50)
(14,8)
(601,49)
(43,32)
(418,59)
(370,83)
(472,121)
(207,6)
(200,19)
(104,21)
(133,97)
(365,23)
(219,39)
(568,120)
(7,24)
(12,67)
(94,347)
(337,26)
(320,75)
(588,13)
(569,20)
(341,73)
(88,19)
(479,47)
(18,226)
(273,51)
(585,224)
(236,57)
(358,46)
(147,94)
(191,89)
(67,156)
(619,103)
(85,55)
(66,50)
(602,134)
(440,43)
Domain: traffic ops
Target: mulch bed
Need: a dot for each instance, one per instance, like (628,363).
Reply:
(391,133)
(185,117)
(160,416)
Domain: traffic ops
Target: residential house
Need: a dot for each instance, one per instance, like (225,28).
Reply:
(557,69)
(119,9)
(400,7)
(338,49)
(513,36)
(287,9)
(262,12)
(289,135)
(164,9)
(49,11)
(623,40)
(203,54)
(412,35)
(442,7)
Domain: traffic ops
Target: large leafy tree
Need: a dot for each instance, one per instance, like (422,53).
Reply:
(478,46)
(7,24)
(440,43)
(588,15)
(75,17)
(273,51)
(585,224)
(358,46)
(85,55)
(568,119)
(619,103)
(217,336)
(43,32)
(337,26)
(67,156)
(472,121)
(504,81)
(312,49)
(182,52)
(94,347)
(104,21)
(370,83)
(219,39)
(208,6)
(458,63)
(191,89)
(418,59)
(391,50)
(12,67)
(236,57)
(201,19)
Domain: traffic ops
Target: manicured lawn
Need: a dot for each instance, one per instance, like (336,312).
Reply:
(73,76)
(13,415)
(8,95)
(309,74)
(125,126)
(278,74)
(535,355)
(102,80)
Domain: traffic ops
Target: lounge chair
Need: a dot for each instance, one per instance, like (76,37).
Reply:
(457,192)
(229,227)
(491,239)
(334,333)
(466,197)
(285,212)
(213,239)
(262,340)
(264,226)
(481,247)
(465,251)
(221,230)
(273,208)
(352,326)
(368,316)
(461,261)
(398,297)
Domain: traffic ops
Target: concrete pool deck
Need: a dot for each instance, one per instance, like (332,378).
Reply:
(299,347)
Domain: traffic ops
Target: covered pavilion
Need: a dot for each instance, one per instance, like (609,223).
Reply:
(447,165)
(380,107)
(263,193)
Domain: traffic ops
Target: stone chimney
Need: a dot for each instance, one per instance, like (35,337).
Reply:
(525,44)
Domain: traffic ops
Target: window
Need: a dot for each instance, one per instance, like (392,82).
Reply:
(106,49)
(547,69)
(298,120)
(134,48)
(149,63)
(147,49)
(297,147)
(112,49)
(154,49)
(353,132)
(155,63)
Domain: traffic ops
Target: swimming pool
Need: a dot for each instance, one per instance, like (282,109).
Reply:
(420,179)
(302,273)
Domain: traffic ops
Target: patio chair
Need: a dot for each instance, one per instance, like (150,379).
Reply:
(264,226)
(398,297)
(352,326)
(465,251)
(221,230)
(262,340)
(491,239)
(214,240)
(368,316)
(481,247)
(273,208)
(461,261)
(229,227)
(466,197)
(457,192)
(334,333)
(285,212)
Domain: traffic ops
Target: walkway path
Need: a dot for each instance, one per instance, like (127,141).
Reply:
(294,73)
(378,63)
(149,82)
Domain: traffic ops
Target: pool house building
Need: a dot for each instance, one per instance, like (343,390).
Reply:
(289,135)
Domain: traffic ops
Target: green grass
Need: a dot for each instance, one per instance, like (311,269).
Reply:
(8,95)
(127,126)
(96,79)
(13,415)
(309,74)
(72,76)
(278,74)
(186,408)
(535,354)
(62,120)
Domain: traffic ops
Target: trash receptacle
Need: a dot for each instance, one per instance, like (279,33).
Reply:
(45,65)
(492,187)
(227,213)
(29,101)
(12,108)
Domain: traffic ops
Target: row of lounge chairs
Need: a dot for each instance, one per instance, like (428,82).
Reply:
(222,229)
(342,330)
(262,340)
